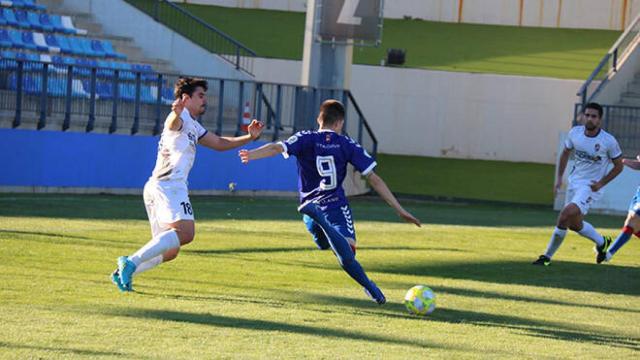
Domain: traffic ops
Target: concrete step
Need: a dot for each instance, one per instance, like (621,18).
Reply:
(631,95)
(634,87)
(91,26)
(58,7)
(122,44)
(629,101)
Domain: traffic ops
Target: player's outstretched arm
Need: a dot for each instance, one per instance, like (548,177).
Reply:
(382,189)
(222,143)
(174,122)
(267,150)
(564,159)
(615,171)
(632,163)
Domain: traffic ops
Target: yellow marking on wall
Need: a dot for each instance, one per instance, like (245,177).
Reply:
(623,21)
(520,13)
(559,15)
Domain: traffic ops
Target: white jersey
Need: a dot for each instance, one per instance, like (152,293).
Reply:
(177,150)
(592,155)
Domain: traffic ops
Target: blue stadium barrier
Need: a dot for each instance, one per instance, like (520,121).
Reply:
(125,162)
(133,94)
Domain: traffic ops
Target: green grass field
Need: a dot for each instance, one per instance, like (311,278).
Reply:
(253,286)
(526,183)
(559,53)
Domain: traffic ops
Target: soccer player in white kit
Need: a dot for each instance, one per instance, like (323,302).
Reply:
(166,196)
(593,149)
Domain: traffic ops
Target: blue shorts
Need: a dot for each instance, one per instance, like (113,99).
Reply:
(635,203)
(341,219)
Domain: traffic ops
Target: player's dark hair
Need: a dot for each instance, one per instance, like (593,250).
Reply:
(595,106)
(331,111)
(187,85)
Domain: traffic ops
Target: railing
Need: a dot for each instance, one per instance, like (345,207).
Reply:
(198,31)
(623,122)
(93,99)
(610,62)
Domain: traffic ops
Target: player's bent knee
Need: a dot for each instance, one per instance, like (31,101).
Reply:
(575,228)
(186,231)
(170,254)
(633,221)
(346,259)
(570,217)
(563,222)
(185,237)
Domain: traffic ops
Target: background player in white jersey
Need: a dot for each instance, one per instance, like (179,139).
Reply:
(166,195)
(631,224)
(593,149)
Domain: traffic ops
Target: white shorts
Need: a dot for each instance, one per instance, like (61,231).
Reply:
(583,197)
(166,202)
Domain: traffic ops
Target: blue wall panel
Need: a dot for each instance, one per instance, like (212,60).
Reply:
(72,159)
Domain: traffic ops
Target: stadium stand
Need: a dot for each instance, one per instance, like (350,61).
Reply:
(621,101)
(32,38)
(60,71)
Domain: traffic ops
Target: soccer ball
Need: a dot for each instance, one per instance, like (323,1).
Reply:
(232,187)
(420,300)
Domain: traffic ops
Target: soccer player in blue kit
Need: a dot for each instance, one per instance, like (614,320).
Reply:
(631,224)
(322,158)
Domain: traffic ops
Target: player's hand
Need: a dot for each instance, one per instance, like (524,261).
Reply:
(633,164)
(179,104)
(244,155)
(557,187)
(255,129)
(595,186)
(409,218)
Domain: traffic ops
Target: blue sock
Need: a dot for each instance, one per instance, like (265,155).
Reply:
(340,247)
(622,239)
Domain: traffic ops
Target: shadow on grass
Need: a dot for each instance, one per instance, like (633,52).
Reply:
(529,327)
(536,300)
(63,239)
(61,350)
(606,279)
(307,249)
(536,328)
(260,325)
(109,207)
(39,233)
(211,297)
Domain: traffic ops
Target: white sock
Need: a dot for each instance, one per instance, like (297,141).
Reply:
(590,233)
(556,240)
(148,265)
(157,246)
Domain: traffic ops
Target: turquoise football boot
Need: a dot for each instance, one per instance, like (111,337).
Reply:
(115,278)
(126,268)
